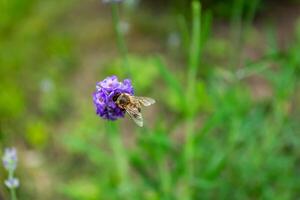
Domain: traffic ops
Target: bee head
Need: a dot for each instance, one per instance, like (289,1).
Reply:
(115,98)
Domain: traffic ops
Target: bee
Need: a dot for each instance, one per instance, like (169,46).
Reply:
(133,105)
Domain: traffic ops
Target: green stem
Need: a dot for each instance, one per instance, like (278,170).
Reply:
(189,159)
(194,60)
(192,78)
(13,194)
(12,190)
(194,54)
(184,30)
(120,38)
(120,159)
(236,29)
(189,147)
(165,179)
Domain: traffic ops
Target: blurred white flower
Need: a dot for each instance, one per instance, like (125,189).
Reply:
(124,27)
(173,40)
(10,159)
(12,183)
(112,1)
(131,4)
(46,85)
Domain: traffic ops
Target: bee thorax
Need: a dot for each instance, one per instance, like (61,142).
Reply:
(123,100)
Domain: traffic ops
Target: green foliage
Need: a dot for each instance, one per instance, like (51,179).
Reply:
(225,126)
(37,134)
(140,67)
(54,101)
(11,101)
(82,189)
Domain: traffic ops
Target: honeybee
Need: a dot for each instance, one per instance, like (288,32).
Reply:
(133,105)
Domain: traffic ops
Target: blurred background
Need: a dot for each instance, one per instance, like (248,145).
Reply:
(225,75)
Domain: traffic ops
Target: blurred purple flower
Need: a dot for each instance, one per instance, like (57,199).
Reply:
(10,159)
(12,183)
(105,95)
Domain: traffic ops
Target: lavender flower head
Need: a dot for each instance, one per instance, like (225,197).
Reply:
(105,95)
(10,159)
(12,183)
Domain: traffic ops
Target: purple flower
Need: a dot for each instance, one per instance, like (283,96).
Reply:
(10,159)
(105,95)
(12,183)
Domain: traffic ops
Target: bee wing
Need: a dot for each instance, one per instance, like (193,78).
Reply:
(145,101)
(135,114)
